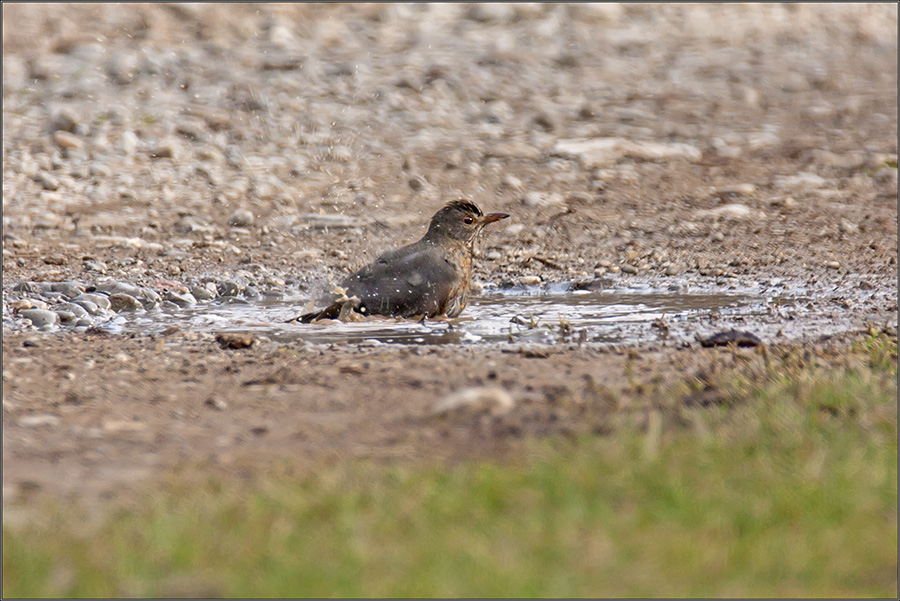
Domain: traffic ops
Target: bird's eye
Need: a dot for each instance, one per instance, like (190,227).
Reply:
(468,220)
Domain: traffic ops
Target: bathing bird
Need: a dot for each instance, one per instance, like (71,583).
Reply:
(428,278)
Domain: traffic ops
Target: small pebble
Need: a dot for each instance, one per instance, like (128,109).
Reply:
(88,306)
(336,221)
(129,142)
(580,196)
(65,316)
(631,269)
(166,150)
(123,426)
(726,337)
(123,67)
(94,265)
(113,287)
(216,403)
(241,218)
(544,121)
(737,190)
(65,140)
(149,297)
(732,211)
(417,183)
(27,303)
(453,159)
(48,181)
(74,308)
(234,340)
(832,265)
(848,227)
(185,299)
(101,300)
(788,202)
(493,400)
(68,289)
(541,199)
(124,302)
(190,223)
(232,287)
(512,182)
(189,130)
(802,180)
(36,421)
(529,280)
(205,292)
(99,170)
(33,287)
(40,317)
(64,120)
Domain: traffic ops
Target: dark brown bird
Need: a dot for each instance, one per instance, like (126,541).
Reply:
(428,278)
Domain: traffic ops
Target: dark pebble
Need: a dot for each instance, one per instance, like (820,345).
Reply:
(726,337)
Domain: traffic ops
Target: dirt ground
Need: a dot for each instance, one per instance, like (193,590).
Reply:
(161,145)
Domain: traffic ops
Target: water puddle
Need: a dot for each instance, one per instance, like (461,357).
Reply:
(544,316)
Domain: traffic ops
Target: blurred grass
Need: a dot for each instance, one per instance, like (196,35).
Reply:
(785,488)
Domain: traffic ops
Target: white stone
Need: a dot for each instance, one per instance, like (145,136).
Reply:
(732,211)
(494,400)
(602,152)
(36,421)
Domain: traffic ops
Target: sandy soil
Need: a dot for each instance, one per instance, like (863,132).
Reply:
(165,145)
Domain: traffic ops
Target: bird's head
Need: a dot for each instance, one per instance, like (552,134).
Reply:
(460,220)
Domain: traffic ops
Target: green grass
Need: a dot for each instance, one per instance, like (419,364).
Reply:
(787,488)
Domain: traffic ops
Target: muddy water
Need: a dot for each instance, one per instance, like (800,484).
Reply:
(546,316)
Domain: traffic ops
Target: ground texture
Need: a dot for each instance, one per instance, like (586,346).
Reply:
(173,145)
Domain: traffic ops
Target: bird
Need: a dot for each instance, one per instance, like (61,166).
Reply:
(425,279)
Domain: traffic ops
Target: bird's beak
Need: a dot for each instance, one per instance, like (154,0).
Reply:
(492,217)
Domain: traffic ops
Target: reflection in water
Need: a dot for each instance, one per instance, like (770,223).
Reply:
(582,316)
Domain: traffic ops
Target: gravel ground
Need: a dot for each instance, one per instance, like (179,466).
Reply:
(197,153)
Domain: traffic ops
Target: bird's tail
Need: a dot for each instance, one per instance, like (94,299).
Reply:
(339,309)
(332,311)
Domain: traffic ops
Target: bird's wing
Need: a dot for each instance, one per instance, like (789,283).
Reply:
(414,280)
